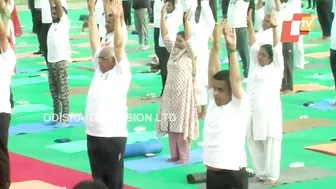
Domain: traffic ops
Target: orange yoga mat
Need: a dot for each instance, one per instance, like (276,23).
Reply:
(329,148)
(33,184)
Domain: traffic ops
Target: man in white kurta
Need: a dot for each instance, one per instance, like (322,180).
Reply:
(202,24)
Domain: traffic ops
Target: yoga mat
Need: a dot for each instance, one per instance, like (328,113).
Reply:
(30,70)
(325,54)
(83,45)
(25,169)
(80,146)
(304,124)
(329,149)
(145,76)
(316,65)
(324,105)
(291,176)
(321,77)
(39,127)
(87,68)
(307,87)
(31,108)
(33,184)
(42,79)
(160,162)
(140,101)
(26,55)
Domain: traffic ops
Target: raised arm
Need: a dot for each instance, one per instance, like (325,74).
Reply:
(187,35)
(3,37)
(251,32)
(118,32)
(58,5)
(93,29)
(235,81)
(277,48)
(214,61)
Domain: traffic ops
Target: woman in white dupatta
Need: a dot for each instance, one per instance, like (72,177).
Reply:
(264,133)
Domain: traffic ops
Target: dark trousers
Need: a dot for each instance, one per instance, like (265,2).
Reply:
(44,36)
(333,63)
(323,8)
(163,55)
(243,49)
(4,157)
(310,5)
(37,26)
(227,179)
(11,99)
(106,156)
(58,85)
(287,52)
(151,16)
(127,12)
(225,6)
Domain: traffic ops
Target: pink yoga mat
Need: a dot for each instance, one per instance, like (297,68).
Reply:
(25,168)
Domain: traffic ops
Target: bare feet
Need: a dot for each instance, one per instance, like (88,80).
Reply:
(284,92)
(269,182)
(181,162)
(173,159)
(326,38)
(256,179)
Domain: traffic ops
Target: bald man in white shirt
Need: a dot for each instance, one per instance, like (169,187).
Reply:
(106,107)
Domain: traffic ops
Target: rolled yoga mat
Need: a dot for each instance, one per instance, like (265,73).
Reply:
(196,178)
(142,148)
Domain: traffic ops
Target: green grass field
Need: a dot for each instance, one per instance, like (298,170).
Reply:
(34,144)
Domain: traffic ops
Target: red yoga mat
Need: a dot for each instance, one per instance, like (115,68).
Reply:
(25,169)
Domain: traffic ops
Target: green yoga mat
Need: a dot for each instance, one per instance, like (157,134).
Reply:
(25,108)
(79,146)
(40,79)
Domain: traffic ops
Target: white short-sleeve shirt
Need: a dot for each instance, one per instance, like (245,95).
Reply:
(7,64)
(237,13)
(58,41)
(106,109)
(224,133)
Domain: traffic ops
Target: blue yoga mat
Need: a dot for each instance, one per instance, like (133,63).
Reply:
(160,162)
(30,128)
(31,108)
(41,79)
(80,146)
(29,70)
(324,105)
(322,77)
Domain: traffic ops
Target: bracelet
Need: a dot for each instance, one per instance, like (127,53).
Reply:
(232,50)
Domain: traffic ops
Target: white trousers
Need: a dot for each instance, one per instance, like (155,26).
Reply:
(201,94)
(265,157)
(299,52)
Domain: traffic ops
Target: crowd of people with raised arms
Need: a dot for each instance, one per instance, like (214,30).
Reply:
(193,86)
